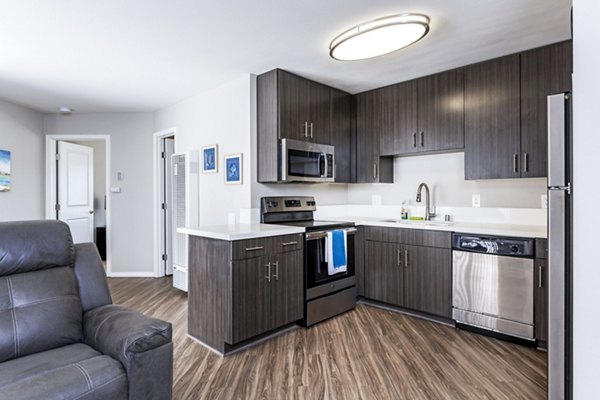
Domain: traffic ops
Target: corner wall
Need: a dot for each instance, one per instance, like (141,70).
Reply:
(21,134)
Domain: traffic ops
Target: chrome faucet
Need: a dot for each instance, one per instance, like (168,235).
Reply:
(428,214)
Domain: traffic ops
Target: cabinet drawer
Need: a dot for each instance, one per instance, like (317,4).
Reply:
(249,248)
(415,237)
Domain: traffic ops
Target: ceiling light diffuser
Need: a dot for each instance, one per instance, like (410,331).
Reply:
(379,37)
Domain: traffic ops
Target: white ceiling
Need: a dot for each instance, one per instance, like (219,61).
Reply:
(142,55)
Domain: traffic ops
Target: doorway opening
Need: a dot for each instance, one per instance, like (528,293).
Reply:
(77,188)
(164,148)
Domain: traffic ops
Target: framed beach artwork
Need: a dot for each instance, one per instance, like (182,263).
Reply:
(4,170)
(233,169)
(210,157)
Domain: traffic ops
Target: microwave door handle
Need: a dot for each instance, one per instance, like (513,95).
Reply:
(323,162)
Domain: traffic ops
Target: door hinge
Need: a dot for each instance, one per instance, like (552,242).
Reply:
(163,155)
(57,207)
(57,157)
(164,206)
(164,257)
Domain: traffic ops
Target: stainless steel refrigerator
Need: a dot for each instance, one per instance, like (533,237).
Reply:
(559,247)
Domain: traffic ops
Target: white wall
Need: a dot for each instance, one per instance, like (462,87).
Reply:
(219,116)
(586,192)
(131,232)
(99,147)
(21,134)
(444,174)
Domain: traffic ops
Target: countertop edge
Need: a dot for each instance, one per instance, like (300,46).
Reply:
(278,230)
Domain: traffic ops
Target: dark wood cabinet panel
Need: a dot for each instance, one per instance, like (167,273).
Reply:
(428,280)
(544,71)
(294,106)
(359,259)
(318,117)
(396,120)
(341,135)
(286,300)
(441,124)
(416,237)
(541,302)
(384,276)
(250,300)
(492,119)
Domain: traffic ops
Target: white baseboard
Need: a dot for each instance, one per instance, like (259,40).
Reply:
(131,275)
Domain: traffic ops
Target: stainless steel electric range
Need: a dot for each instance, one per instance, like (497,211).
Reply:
(325,295)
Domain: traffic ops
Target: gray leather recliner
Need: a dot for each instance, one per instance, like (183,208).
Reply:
(60,335)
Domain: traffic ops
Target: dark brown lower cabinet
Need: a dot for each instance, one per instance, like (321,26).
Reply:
(541,302)
(286,300)
(384,276)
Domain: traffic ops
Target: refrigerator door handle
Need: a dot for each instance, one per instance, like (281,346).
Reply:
(557,140)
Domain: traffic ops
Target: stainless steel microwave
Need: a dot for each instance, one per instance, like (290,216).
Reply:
(306,162)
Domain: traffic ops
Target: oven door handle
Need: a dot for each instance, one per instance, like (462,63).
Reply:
(323,234)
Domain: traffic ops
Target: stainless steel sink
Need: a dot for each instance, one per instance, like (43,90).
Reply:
(418,222)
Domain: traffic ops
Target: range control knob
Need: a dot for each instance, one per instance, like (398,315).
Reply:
(514,249)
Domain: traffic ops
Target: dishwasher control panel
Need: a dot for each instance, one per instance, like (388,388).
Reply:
(517,247)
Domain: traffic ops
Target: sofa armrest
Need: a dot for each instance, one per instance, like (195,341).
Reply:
(121,332)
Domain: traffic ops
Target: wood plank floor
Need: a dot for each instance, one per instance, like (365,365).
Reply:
(368,353)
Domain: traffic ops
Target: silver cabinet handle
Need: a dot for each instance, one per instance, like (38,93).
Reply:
(414,139)
(374,170)
(398,260)
(422,138)
(254,248)
(525,162)
(540,270)
(289,243)
(406,258)
(311,130)
(276,274)
(268,277)
(305,129)
(515,163)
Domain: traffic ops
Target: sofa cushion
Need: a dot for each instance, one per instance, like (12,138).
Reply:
(34,245)
(39,311)
(71,372)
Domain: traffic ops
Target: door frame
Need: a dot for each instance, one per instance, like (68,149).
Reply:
(157,185)
(51,141)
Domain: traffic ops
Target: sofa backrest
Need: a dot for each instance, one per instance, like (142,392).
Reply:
(40,307)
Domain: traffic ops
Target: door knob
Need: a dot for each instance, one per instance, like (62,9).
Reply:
(91,211)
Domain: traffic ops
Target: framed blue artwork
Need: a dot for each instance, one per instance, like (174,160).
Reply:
(4,170)
(210,155)
(233,169)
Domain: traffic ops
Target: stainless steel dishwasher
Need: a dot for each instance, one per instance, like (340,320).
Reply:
(492,284)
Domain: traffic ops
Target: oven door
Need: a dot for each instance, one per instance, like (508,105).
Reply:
(306,162)
(316,266)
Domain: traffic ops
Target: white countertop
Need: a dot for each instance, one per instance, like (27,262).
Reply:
(528,231)
(240,231)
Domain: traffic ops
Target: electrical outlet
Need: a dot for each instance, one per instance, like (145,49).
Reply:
(120,176)
(544,201)
(376,200)
(476,200)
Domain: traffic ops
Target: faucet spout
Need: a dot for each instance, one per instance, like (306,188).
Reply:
(428,213)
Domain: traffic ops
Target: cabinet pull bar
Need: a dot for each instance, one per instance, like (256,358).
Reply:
(540,276)
(374,170)
(515,163)
(422,138)
(311,130)
(405,258)
(268,277)
(305,129)
(254,248)
(276,274)
(398,261)
(289,243)
(525,162)
(414,139)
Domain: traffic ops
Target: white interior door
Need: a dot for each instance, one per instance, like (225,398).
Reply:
(168,151)
(75,179)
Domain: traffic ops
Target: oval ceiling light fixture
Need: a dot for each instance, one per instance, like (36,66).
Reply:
(378,37)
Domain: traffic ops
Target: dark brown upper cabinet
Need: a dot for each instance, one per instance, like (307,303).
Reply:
(423,115)
(370,166)
(544,71)
(492,119)
(341,135)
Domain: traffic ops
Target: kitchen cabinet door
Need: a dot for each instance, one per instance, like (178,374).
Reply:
(341,135)
(541,302)
(250,299)
(294,106)
(286,289)
(544,71)
(397,119)
(428,280)
(383,274)
(492,119)
(441,112)
(319,113)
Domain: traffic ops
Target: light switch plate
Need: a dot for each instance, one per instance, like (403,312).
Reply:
(376,200)
(115,189)
(120,176)
(476,200)
(544,201)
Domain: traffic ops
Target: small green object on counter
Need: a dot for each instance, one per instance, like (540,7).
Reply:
(416,218)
